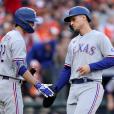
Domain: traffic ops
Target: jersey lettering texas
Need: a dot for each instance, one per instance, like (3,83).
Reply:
(84,48)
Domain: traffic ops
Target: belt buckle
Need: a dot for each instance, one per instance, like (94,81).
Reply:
(85,80)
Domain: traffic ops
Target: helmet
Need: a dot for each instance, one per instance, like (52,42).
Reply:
(23,16)
(78,10)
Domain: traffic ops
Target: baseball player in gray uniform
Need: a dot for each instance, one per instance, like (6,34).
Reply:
(88,54)
(13,64)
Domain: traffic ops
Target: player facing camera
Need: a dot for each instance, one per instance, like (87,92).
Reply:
(88,54)
(77,18)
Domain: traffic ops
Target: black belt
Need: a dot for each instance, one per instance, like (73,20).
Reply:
(81,80)
(7,78)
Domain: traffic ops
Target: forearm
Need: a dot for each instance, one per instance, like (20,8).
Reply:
(23,71)
(103,64)
(63,78)
(29,78)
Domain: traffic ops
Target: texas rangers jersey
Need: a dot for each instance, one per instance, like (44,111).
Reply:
(86,49)
(12,48)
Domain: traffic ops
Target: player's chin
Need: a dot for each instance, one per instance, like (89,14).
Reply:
(76,30)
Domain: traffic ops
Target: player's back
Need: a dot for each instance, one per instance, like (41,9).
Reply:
(12,47)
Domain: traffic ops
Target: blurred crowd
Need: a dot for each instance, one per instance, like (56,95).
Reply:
(46,48)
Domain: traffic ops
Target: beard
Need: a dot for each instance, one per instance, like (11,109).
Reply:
(75,32)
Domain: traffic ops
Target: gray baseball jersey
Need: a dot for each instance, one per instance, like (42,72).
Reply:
(90,48)
(85,98)
(12,49)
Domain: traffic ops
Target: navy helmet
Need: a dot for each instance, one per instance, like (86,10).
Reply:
(78,10)
(24,16)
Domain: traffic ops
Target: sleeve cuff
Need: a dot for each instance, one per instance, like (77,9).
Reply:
(22,70)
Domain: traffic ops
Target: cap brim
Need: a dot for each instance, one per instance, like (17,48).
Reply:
(68,19)
(38,20)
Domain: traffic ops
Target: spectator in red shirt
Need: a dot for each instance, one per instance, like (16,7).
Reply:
(12,5)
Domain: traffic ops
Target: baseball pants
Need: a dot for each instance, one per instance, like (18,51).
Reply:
(84,98)
(10,97)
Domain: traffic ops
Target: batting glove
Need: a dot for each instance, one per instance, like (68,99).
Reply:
(45,90)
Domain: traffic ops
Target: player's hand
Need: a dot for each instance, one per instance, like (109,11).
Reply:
(47,102)
(45,90)
(84,70)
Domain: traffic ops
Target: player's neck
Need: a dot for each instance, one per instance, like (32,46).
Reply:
(85,29)
(18,28)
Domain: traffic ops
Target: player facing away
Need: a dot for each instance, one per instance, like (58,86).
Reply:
(88,54)
(13,65)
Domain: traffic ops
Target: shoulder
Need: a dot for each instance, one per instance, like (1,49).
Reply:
(96,33)
(99,34)
(74,40)
(15,36)
(102,39)
(72,43)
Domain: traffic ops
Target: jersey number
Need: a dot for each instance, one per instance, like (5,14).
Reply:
(2,50)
